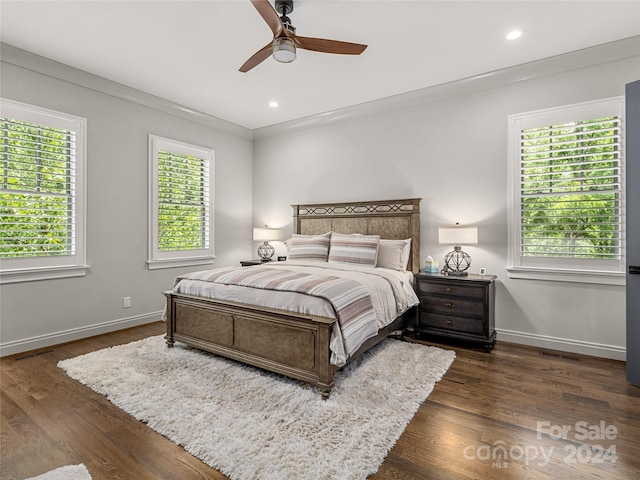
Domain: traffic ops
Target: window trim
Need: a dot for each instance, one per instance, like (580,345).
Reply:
(26,269)
(586,271)
(177,258)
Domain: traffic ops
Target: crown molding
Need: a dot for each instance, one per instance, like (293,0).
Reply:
(600,54)
(45,66)
(579,59)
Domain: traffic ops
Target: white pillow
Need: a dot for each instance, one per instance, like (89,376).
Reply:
(394,254)
(391,254)
(406,254)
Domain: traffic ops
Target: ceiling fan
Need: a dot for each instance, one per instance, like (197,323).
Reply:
(285,40)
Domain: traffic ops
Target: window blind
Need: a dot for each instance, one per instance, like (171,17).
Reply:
(37,190)
(183,202)
(570,190)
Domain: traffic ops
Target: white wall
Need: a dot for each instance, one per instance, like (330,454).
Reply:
(452,153)
(42,313)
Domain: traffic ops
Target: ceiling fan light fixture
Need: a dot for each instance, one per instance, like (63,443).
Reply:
(284,50)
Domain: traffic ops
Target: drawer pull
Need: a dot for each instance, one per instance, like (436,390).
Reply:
(449,289)
(449,322)
(448,305)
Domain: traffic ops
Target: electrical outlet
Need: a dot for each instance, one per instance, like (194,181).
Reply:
(126,302)
(483,271)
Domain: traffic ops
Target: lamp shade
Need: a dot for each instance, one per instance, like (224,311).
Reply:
(458,235)
(264,234)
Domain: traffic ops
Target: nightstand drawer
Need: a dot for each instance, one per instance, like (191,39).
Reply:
(451,289)
(446,322)
(452,306)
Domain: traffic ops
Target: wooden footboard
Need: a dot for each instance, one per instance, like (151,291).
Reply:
(291,344)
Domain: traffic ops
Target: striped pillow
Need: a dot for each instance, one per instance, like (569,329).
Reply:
(309,247)
(358,249)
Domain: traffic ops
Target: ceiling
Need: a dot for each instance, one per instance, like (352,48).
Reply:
(189,51)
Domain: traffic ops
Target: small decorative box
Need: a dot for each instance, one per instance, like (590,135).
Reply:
(431,266)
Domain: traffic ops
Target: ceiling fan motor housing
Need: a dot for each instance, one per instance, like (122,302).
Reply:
(284,7)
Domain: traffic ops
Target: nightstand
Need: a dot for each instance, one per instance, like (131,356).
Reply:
(248,263)
(459,308)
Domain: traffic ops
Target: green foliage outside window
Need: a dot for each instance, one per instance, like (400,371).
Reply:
(183,207)
(571,190)
(36,190)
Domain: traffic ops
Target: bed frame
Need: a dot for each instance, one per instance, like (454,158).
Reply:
(289,343)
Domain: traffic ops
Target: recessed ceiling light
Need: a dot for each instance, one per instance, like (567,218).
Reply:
(273,104)
(514,34)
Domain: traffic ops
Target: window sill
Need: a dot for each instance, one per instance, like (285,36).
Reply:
(48,273)
(179,262)
(566,275)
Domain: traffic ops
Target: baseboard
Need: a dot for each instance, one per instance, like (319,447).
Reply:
(563,344)
(531,339)
(56,338)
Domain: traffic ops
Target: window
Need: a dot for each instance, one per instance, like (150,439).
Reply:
(181,217)
(42,197)
(567,202)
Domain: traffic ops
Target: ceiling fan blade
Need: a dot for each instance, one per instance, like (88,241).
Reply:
(329,46)
(268,13)
(257,58)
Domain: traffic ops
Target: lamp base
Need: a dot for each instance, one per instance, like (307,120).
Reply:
(265,252)
(456,262)
(452,273)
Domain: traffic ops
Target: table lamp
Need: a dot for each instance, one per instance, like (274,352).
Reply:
(265,234)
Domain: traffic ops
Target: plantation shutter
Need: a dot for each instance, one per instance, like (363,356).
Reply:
(37,191)
(570,190)
(183,202)
(181,210)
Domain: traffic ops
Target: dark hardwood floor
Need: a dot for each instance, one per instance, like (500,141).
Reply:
(518,412)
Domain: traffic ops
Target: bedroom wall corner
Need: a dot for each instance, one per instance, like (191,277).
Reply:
(452,153)
(42,313)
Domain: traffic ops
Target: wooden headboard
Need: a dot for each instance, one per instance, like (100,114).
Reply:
(391,219)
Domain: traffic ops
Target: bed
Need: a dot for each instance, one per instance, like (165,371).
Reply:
(298,344)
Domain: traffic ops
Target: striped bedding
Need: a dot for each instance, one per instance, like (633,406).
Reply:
(362,299)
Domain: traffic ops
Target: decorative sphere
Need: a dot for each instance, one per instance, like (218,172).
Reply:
(266,251)
(457,260)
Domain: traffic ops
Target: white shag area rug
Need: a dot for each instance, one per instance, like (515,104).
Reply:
(251,424)
(70,472)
